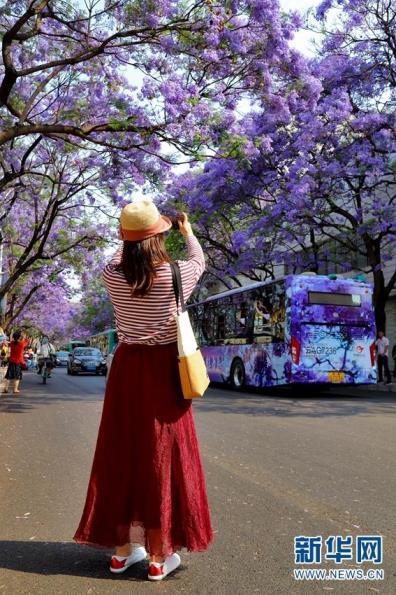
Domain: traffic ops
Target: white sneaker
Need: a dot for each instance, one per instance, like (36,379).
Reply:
(158,571)
(119,564)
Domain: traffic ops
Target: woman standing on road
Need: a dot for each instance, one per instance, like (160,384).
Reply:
(15,362)
(147,487)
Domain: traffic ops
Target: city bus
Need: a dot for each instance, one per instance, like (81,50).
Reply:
(105,341)
(300,329)
(72,344)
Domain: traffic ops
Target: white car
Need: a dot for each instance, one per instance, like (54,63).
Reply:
(109,360)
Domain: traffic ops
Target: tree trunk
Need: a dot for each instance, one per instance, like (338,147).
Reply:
(379,310)
(379,294)
(314,267)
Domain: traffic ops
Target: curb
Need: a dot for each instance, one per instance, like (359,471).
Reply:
(379,387)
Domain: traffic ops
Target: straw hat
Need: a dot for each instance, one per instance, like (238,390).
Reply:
(141,220)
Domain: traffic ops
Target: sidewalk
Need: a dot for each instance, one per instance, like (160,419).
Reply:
(380,387)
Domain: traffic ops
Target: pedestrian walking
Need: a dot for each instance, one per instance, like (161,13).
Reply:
(4,353)
(29,357)
(16,362)
(3,348)
(34,359)
(147,491)
(382,344)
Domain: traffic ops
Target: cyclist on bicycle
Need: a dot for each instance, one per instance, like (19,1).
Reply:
(45,353)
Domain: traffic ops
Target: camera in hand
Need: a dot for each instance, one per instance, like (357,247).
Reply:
(176,219)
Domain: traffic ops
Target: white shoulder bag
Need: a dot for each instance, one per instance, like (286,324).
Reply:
(194,377)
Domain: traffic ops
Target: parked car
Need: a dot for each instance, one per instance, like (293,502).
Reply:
(86,359)
(62,358)
(109,360)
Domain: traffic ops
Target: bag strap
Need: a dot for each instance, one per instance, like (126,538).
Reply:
(177,286)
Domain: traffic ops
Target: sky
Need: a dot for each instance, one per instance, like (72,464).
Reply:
(303,39)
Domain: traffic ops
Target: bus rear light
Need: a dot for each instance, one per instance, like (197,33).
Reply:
(372,353)
(295,350)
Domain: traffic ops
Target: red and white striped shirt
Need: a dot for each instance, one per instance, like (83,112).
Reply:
(150,319)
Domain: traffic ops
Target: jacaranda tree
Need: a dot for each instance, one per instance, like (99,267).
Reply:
(126,77)
(312,176)
(46,219)
(129,88)
(51,310)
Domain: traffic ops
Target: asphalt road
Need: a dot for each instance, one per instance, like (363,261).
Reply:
(278,465)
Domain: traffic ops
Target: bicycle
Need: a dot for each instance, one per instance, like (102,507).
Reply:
(46,370)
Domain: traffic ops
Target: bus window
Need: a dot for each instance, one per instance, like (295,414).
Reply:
(209,324)
(197,321)
(220,331)
(194,314)
(230,320)
(240,326)
(262,316)
(269,314)
(105,341)
(278,314)
(224,321)
(241,319)
(262,328)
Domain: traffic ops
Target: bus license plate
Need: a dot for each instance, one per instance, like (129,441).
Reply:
(336,376)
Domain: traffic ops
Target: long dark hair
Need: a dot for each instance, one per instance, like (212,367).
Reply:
(139,262)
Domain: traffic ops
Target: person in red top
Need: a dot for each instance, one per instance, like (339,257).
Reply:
(15,361)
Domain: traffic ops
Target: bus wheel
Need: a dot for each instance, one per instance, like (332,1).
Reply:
(237,374)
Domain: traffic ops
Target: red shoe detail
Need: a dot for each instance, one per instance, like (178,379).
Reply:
(117,564)
(155,570)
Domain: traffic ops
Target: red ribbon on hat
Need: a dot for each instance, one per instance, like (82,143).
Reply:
(133,235)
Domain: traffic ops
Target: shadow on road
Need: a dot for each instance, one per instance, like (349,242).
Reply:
(57,390)
(66,558)
(285,403)
(282,401)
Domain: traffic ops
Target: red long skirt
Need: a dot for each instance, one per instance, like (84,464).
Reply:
(147,472)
